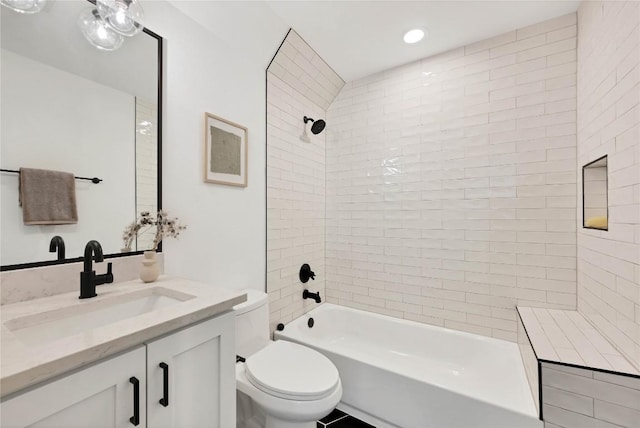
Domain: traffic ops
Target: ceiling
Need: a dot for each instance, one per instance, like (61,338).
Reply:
(360,38)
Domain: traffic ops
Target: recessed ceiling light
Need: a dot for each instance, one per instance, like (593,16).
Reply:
(413,36)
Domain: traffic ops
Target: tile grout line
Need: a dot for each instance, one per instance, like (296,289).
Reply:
(339,419)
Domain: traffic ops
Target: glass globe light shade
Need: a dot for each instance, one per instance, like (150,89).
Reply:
(122,16)
(24,6)
(95,30)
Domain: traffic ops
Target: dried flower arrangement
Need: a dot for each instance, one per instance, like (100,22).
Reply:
(166,227)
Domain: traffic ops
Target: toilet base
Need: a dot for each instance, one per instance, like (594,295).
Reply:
(249,415)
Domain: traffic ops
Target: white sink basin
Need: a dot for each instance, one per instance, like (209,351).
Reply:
(89,314)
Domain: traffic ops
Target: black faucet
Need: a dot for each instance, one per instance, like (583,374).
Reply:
(88,278)
(306,294)
(57,243)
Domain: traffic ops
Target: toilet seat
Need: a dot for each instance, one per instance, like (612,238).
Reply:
(291,371)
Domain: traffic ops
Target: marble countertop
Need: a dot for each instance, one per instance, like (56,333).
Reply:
(29,357)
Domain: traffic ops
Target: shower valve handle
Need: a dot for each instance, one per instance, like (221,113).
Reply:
(306,273)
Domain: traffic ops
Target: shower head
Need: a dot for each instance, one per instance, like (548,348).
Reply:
(318,125)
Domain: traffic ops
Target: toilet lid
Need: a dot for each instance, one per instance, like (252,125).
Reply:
(295,372)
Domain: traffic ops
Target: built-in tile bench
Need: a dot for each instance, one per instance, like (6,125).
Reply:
(577,378)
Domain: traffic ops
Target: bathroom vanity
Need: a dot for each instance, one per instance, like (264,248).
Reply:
(136,355)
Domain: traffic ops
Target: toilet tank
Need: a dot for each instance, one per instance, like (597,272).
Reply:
(252,323)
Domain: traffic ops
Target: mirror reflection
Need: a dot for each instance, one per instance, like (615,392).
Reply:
(594,188)
(67,106)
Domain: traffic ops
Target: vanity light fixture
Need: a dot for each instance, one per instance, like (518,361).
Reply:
(413,36)
(96,31)
(104,25)
(122,16)
(24,6)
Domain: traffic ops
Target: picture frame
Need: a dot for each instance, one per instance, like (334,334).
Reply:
(225,151)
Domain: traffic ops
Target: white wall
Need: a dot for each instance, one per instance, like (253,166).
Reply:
(225,240)
(451,187)
(609,124)
(52,119)
(299,83)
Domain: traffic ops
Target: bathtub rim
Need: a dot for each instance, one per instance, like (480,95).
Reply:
(282,335)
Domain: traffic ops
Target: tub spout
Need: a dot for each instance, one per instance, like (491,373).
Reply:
(306,294)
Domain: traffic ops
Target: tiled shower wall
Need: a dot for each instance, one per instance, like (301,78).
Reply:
(451,184)
(609,124)
(579,398)
(299,83)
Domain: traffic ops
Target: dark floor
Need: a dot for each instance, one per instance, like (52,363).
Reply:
(339,419)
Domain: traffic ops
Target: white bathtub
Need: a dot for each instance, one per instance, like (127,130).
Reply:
(411,375)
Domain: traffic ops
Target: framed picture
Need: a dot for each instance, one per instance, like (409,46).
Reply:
(225,151)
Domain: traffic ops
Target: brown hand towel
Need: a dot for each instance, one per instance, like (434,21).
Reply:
(47,197)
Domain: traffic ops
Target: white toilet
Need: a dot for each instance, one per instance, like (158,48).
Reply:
(281,384)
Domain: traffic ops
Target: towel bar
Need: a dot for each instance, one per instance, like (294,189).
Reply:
(94,180)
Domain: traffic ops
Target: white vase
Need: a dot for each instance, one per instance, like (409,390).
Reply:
(149,271)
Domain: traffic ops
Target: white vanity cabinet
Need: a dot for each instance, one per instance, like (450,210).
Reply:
(99,396)
(199,387)
(191,377)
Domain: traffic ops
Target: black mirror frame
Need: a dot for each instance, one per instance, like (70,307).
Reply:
(159,178)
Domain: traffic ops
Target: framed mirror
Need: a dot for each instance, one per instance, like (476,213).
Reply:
(67,106)
(595,200)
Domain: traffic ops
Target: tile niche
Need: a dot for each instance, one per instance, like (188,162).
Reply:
(594,195)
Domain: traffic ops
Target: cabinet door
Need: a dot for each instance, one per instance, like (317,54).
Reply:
(199,366)
(100,396)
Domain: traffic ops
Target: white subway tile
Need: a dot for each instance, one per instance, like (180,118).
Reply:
(569,419)
(562,33)
(615,414)
(547,26)
(568,401)
(485,154)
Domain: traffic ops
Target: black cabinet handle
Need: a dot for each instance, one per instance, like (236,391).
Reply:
(135,419)
(165,387)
